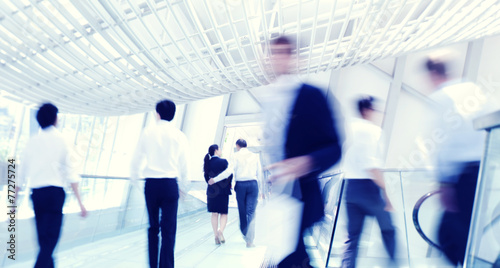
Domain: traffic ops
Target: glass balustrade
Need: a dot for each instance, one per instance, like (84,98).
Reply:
(484,239)
(415,226)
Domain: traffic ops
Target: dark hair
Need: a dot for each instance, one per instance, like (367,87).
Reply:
(365,103)
(211,152)
(166,109)
(284,40)
(47,115)
(242,143)
(436,67)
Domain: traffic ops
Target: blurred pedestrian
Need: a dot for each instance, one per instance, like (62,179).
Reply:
(46,167)
(365,193)
(166,151)
(302,141)
(460,149)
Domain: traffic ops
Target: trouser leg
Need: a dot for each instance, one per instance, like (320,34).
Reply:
(241,193)
(153,208)
(356,218)
(251,202)
(387,230)
(48,203)
(299,257)
(169,206)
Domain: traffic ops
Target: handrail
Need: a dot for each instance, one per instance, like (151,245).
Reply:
(323,176)
(104,177)
(416,209)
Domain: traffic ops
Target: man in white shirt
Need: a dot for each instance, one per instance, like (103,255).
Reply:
(458,153)
(46,168)
(247,174)
(247,171)
(166,151)
(365,193)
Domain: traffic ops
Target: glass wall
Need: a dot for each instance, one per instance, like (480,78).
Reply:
(484,248)
(414,224)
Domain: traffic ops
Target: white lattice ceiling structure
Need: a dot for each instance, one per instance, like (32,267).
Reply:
(121,56)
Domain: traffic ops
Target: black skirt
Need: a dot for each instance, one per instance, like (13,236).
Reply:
(217,200)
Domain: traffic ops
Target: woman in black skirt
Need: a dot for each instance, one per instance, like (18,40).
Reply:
(218,191)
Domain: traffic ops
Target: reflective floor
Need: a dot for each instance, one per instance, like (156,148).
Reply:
(195,247)
(116,235)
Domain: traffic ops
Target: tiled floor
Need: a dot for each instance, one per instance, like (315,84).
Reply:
(195,248)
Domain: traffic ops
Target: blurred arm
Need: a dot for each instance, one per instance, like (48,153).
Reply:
(185,172)
(135,163)
(74,186)
(224,174)
(378,178)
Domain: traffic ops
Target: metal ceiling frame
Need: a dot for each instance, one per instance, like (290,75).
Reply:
(115,57)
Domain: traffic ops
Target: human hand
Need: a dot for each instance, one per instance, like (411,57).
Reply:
(83,212)
(291,168)
(182,195)
(388,206)
(211,181)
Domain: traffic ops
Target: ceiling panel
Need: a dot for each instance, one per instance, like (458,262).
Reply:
(114,57)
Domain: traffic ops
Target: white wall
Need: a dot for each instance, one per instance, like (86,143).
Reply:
(200,125)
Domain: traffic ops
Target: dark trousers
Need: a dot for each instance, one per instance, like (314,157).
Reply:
(312,212)
(454,227)
(363,198)
(299,258)
(246,195)
(162,194)
(47,204)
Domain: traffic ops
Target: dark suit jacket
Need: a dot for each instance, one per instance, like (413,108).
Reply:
(312,131)
(217,165)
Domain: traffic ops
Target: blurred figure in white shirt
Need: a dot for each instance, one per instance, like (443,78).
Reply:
(46,168)
(459,151)
(166,151)
(248,175)
(365,193)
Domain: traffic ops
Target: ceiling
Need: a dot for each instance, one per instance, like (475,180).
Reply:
(112,57)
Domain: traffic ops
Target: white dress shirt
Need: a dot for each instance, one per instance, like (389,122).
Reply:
(166,151)
(277,100)
(46,161)
(458,104)
(362,150)
(245,166)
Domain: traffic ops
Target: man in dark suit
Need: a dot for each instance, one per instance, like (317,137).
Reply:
(300,121)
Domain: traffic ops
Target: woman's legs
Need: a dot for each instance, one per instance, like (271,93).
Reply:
(223,221)
(215,227)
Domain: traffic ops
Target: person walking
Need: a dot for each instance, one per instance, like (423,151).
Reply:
(301,141)
(247,175)
(218,191)
(166,151)
(46,168)
(459,152)
(365,193)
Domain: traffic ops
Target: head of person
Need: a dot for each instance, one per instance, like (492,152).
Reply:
(47,115)
(365,107)
(241,143)
(213,150)
(165,110)
(437,70)
(281,54)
